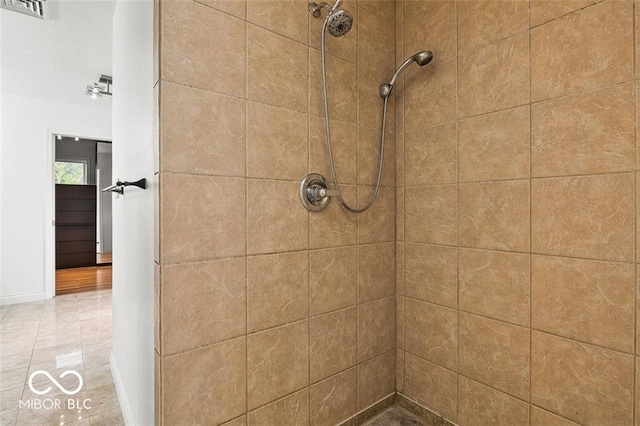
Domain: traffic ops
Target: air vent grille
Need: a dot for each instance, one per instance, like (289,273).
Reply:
(29,7)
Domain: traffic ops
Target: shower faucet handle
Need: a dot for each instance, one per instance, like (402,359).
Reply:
(319,192)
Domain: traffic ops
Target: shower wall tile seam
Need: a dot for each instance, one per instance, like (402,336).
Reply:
(567,14)
(540,254)
(636,280)
(530,223)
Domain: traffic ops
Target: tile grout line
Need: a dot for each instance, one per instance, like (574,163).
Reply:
(246,206)
(636,384)
(309,17)
(530,409)
(457,218)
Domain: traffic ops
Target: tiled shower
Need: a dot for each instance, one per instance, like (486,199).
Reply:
(494,280)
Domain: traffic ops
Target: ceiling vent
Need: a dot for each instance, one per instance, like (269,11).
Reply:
(29,7)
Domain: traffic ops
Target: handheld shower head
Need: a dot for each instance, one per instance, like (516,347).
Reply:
(423,58)
(420,58)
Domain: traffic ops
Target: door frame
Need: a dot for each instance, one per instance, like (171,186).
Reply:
(50,204)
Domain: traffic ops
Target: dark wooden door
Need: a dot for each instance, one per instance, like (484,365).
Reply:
(75,226)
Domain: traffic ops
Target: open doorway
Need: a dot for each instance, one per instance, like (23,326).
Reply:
(83,219)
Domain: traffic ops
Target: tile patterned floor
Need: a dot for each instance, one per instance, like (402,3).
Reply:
(71,332)
(395,416)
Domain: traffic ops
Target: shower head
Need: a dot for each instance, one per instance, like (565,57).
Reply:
(420,58)
(339,22)
(423,58)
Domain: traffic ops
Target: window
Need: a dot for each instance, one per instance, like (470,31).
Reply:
(71,172)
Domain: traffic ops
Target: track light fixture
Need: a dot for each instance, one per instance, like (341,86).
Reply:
(100,88)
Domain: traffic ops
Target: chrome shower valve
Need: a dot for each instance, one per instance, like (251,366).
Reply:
(315,193)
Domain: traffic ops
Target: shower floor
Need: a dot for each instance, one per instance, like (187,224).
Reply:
(395,416)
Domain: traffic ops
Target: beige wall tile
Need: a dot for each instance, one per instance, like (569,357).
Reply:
(240,421)
(494,215)
(586,50)
(400,268)
(434,31)
(343,146)
(232,7)
(431,273)
(400,371)
(376,39)
(368,157)
(202,133)
(385,9)
(495,284)
(431,332)
(341,87)
(584,134)
(192,397)
(333,343)
(343,47)
(584,383)
(277,142)
(291,410)
(376,379)
(214,227)
(277,363)
(376,328)
(482,405)
(430,156)
(583,216)
(157,294)
(335,399)
(495,353)
(286,17)
(540,417)
(220,312)
(586,300)
(546,10)
(430,214)
(400,322)
(495,77)
(185,27)
(484,22)
(377,224)
(278,289)
(276,219)
(430,96)
(376,271)
(334,226)
(370,105)
(414,8)
(431,386)
(333,279)
(495,146)
(269,54)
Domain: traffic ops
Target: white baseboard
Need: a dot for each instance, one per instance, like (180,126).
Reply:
(21,298)
(122,396)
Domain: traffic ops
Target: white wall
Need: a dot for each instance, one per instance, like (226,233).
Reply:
(133,214)
(45,66)
(26,191)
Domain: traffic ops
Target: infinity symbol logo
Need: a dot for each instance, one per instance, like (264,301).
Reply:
(55,382)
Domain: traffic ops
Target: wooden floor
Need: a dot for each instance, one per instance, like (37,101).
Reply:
(102,258)
(78,280)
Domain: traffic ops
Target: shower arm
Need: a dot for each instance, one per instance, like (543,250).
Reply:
(315,8)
